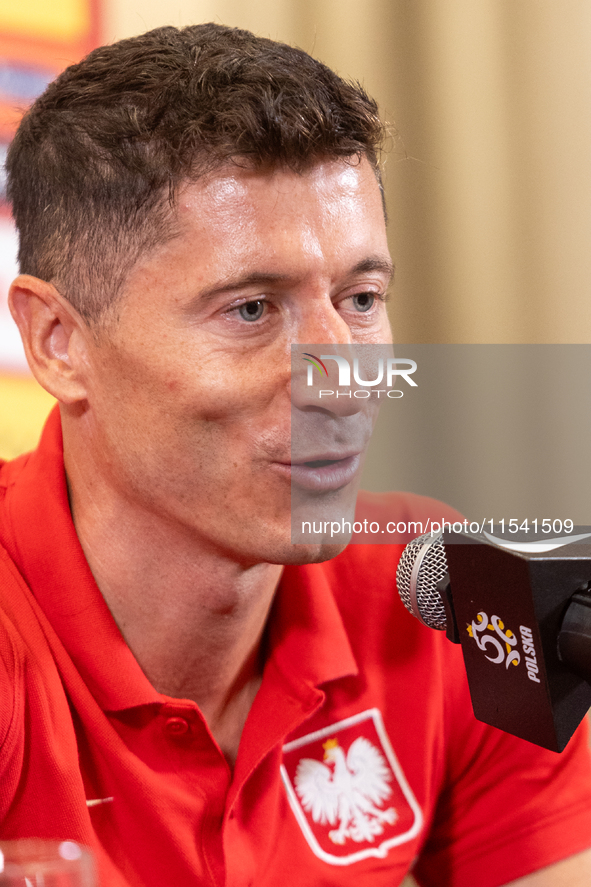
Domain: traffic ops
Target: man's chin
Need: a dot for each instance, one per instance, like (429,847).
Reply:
(309,553)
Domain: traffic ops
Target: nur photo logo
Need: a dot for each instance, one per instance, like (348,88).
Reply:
(385,372)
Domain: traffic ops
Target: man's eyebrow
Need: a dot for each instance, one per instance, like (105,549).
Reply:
(372,263)
(259,278)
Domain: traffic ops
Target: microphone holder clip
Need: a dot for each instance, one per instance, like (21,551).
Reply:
(451,626)
(574,638)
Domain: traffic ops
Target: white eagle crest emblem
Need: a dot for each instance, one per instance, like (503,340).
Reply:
(347,790)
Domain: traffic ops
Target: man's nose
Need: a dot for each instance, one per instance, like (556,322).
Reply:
(322,380)
(320,322)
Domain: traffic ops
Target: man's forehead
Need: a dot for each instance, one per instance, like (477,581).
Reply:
(236,225)
(238,182)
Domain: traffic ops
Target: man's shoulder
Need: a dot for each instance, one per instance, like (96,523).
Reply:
(10,469)
(19,614)
(19,645)
(10,472)
(26,636)
(13,483)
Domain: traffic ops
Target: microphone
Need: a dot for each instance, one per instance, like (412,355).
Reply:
(523,619)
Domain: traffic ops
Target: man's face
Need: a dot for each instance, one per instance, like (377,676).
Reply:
(189,388)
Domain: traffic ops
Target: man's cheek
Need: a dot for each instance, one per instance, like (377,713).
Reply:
(240,399)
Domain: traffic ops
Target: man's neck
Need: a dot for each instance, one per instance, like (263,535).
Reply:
(193,618)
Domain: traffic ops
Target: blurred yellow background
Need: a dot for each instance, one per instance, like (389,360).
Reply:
(64,19)
(24,407)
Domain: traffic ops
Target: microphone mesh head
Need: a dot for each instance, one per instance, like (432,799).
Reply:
(421,566)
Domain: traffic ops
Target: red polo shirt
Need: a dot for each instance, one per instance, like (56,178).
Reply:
(356,695)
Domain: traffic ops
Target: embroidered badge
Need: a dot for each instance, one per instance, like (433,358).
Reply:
(348,792)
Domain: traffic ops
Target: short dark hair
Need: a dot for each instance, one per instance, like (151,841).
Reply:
(95,164)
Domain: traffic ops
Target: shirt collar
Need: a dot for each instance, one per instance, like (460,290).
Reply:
(306,629)
(307,639)
(49,556)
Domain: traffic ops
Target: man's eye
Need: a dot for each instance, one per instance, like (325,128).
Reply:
(363,301)
(252,310)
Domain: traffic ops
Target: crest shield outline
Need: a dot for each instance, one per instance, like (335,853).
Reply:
(368,726)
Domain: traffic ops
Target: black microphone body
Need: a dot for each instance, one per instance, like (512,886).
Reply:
(523,620)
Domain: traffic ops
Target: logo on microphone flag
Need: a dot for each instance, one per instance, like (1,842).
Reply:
(492,645)
(499,646)
(348,792)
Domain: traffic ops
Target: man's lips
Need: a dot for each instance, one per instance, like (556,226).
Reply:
(323,473)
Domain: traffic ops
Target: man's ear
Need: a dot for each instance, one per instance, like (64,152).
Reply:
(54,336)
